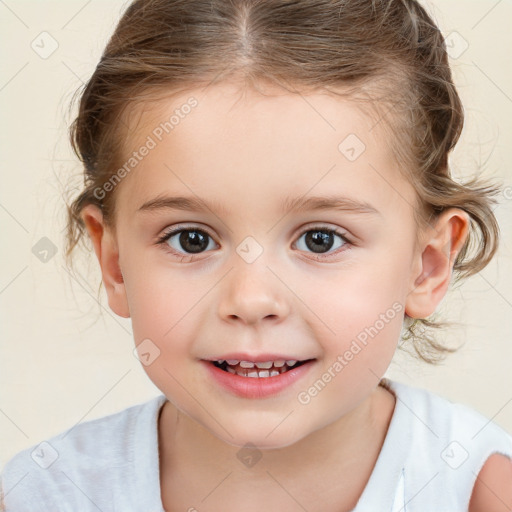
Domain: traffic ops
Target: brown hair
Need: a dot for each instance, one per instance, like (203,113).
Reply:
(389,52)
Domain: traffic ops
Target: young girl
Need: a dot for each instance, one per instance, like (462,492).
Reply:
(268,196)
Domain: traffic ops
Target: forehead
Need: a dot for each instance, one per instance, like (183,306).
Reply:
(249,145)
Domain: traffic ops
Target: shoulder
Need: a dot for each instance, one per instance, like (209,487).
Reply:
(452,419)
(467,450)
(85,459)
(493,487)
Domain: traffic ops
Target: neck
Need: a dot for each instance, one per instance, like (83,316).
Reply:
(344,451)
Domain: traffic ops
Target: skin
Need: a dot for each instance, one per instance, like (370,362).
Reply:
(247,153)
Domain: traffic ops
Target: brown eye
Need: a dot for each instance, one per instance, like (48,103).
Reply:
(320,241)
(193,241)
(188,241)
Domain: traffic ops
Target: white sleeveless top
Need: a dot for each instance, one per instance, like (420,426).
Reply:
(430,458)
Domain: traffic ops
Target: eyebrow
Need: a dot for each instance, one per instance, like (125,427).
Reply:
(301,204)
(298,204)
(181,203)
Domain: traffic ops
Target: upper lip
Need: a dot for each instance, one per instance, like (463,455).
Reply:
(258,358)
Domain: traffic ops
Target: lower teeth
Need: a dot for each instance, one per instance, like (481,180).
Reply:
(255,373)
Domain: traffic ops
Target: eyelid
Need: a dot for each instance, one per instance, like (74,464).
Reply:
(319,226)
(168,232)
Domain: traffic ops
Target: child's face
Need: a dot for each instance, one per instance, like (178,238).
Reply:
(306,296)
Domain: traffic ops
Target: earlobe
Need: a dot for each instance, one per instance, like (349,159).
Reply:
(435,261)
(105,247)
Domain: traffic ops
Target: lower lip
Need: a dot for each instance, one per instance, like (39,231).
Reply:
(257,387)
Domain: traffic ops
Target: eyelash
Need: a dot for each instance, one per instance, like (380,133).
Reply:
(162,240)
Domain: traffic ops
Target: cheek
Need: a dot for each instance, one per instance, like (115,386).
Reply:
(367,334)
(160,300)
(354,359)
(356,297)
(164,326)
(360,312)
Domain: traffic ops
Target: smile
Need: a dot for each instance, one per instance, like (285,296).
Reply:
(257,370)
(257,379)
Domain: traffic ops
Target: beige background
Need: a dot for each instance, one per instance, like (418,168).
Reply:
(66,359)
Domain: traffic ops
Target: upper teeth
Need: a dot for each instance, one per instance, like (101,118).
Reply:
(257,369)
(264,365)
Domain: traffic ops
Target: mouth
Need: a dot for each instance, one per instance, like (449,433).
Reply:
(257,376)
(263,369)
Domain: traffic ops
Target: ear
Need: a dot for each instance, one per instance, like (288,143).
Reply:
(434,264)
(105,247)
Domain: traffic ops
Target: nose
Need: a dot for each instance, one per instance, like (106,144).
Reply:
(253,294)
